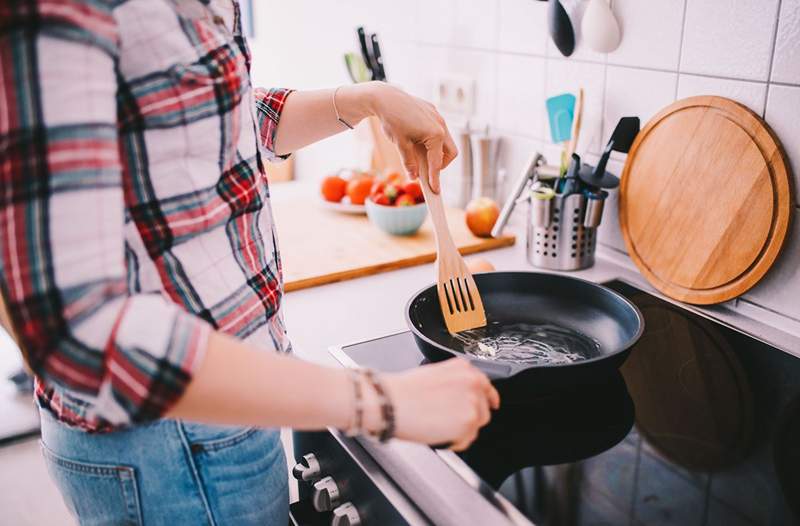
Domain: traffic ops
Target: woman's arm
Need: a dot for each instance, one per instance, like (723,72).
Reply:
(441,403)
(309,116)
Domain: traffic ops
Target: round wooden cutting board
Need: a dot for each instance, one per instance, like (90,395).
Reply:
(705,200)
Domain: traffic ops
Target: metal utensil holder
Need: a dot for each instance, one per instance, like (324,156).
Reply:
(560,240)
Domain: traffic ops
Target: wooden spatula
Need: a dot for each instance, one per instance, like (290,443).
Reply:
(459,298)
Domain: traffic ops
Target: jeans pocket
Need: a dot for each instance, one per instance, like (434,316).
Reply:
(96,493)
(209,437)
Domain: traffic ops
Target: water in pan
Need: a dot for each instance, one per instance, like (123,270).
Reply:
(528,343)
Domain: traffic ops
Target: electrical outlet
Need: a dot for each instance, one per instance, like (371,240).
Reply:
(455,94)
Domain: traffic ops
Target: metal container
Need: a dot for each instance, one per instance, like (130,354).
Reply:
(565,244)
(467,168)
(541,200)
(485,151)
(595,203)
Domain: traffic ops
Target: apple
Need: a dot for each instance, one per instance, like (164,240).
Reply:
(482,214)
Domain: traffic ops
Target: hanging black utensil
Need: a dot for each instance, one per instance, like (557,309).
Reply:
(379,73)
(560,28)
(621,140)
(572,184)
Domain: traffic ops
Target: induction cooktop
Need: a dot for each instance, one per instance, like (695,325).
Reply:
(701,425)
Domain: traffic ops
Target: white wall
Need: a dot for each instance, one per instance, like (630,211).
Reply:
(748,50)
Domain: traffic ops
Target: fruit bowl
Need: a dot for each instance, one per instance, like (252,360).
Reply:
(397,220)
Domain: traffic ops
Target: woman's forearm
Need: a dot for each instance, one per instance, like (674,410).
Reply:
(309,116)
(238,385)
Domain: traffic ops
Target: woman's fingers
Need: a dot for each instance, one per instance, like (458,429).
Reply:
(409,158)
(435,155)
(450,149)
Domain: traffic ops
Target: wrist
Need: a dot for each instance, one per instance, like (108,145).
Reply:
(358,101)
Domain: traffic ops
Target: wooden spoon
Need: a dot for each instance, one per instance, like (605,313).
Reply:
(459,298)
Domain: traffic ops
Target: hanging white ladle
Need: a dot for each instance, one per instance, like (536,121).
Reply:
(599,27)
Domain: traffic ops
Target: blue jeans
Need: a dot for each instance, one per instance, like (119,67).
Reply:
(169,472)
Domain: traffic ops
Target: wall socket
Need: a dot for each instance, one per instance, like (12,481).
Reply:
(455,94)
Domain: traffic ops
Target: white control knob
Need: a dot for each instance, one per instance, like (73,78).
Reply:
(326,494)
(308,469)
(346,515)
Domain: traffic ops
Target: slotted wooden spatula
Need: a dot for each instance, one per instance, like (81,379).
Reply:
(459,298)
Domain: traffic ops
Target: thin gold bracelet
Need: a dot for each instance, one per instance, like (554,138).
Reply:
(336,110)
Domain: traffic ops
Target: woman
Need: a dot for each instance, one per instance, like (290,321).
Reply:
(141,270)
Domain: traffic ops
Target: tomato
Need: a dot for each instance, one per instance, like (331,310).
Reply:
(333,188)
(405,200)
(358,189)
(413,189)
(380,199)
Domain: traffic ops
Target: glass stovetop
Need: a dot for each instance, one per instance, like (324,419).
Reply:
(700,426)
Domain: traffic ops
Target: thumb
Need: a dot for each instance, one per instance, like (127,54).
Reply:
(409,158)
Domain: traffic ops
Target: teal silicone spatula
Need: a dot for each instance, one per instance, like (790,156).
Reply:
(560,110)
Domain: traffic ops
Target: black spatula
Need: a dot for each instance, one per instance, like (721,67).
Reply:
(620,141)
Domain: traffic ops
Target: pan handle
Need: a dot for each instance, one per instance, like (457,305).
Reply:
(494,370)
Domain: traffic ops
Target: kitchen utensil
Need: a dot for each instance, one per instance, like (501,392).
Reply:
(595,202)
(365,53)
(377,57)
(356,68)
(459,298)
(587,175)
(535,298)
(535,161)
(621,140)
(467,166)
(560,27)
(715,242)
(541,203)
(599,27)
(356,248)
(577,117)
(571,182)
(559,112)
(397,220)
(485,150)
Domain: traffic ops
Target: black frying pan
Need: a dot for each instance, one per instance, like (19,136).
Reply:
(531,297)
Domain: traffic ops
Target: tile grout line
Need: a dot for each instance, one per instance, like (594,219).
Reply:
(772,57)
(680,48)
(611,64)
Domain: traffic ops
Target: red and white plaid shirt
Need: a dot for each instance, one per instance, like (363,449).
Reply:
(134,206)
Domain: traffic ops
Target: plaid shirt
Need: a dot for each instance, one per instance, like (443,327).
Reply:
(134,207)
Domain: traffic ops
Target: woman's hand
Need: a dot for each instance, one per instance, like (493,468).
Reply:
(442,403)
(408,121)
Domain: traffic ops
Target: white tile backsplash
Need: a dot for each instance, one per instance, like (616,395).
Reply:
(520,95)
(651,33)
(783,116)
(786,64)
(637,92)
(475,23)
(670,49)
(751,94)
(522,27)
(729,38)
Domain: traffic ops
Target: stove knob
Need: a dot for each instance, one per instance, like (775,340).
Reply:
(346,515)
(307,470)
(326,494)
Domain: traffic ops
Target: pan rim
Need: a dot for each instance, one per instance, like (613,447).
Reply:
(517,368)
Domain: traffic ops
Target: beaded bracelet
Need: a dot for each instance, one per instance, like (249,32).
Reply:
(387,408)
(357,427)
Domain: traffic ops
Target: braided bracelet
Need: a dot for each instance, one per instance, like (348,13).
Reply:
(387,408)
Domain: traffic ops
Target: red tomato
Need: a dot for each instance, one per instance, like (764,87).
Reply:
(358,189)
(406,200)
(333,188)
(413,189)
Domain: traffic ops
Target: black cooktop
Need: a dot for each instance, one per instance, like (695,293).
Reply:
(700,426)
